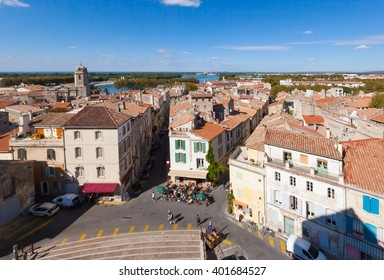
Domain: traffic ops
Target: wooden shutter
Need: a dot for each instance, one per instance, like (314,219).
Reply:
(183,144)
(204,149)
(374,206)
(195,147)
(184,158)
(59,132)
(367,203)
(176,144)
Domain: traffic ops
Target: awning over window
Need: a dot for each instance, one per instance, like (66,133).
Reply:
(99,187)
(245,205)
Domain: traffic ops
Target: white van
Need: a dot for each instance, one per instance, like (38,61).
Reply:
(67,200)
(301,249)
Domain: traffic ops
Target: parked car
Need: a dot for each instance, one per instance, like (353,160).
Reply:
(67,200)
(300,248)
(45,209)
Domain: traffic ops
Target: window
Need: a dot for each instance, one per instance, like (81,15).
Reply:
(76,135)
(51,154)
(292,181)
(124,130)
(79,171)
(98,135)
(199,147)
(309,186)
(292,202)
(310,209)
(331,217)
(370,204)
(9,187)
(200,163)
(331,193)
(380,234)
(180,157)
(100,171)
(128,127)
(322,166)
(277,176)
(357,227)
(220,139)
(77,152)
(277,197)
(21,154)
(287,157)
(180,144)
(99,152)
(50,171)
(220,152)
(304,159)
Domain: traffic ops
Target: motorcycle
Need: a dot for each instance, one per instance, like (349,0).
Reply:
(267,231)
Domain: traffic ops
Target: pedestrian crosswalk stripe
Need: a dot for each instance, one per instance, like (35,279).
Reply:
(146,228)
(10,225)
(116,231)
(21,229)
(83,236)
(189,227)
(260,235)
(65,240)
(161,226)
(100,233)
(282,247)
(271,241)
(227,242)
(175,226)
(131,229)
(34,230)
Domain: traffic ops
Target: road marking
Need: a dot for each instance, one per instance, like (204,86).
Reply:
(175,226)
(116,231)
(35,229)
(282,247)
(131,229)
(227,242)
(100,233)
(20,229)
(260,235)
(161,226)
(146,228)
(83,236)
(65,240)
(189,226)
(10,225)
(271,241)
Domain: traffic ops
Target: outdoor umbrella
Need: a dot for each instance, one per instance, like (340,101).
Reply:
(201,196)
(160,190)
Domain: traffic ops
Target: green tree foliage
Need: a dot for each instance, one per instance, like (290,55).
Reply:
(142,83)
(230,198)
(377,101)
(373,86)
(278,88)
(36,80)
(214,169)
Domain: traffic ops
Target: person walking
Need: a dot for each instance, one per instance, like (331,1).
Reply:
(153,196)
(170,217)
(198,221)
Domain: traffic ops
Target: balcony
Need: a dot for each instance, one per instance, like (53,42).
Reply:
(29,142)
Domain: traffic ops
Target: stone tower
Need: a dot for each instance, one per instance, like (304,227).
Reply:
(82,81)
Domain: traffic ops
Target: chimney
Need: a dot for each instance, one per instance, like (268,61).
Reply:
(118,109)
(124,105)
(30,115)
(328,133)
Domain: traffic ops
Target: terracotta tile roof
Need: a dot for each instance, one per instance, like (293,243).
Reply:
(24,109)
(302,129)
(379,118)
(209,131)
(4,140)
(364,164)
(131,109)
(370,112)
(36,93)
(201,95)
(97,117)
(362,102)
(313,119)
(181,121)
(7,103)
(62,105)
(298,142)
(234,121)
(52,119)
(174,109)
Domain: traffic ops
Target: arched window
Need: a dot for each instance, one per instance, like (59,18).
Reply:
(21,154)
(99,152)
(51,154)
(77,134)
(79,171)
(98,135)
(100,171)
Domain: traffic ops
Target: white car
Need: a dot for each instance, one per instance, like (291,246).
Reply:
(45,209)
(67,200)
(299,248)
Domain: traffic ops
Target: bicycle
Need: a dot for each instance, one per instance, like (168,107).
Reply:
(267,231)
(250,224)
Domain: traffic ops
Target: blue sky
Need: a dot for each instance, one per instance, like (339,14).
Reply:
(192,35)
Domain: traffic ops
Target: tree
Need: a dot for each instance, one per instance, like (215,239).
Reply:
(214,169)
(377,101)
(230,198)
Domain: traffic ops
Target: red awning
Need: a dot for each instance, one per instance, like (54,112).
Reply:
(99,187)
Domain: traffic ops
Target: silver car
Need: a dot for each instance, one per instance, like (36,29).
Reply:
(45,209)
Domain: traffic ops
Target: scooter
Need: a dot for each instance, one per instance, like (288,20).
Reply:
(267,231)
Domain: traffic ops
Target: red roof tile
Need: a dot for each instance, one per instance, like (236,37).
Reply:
(209,131)
(298,142)
(379,118)
(313,119)
(364,164)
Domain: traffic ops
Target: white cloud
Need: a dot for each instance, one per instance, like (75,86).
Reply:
(13,3)
(255,48)
(165,53)
(186,53)
(72,47)
(369,40)
(307,32)
(311,59)
(182,3)
(361,47)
